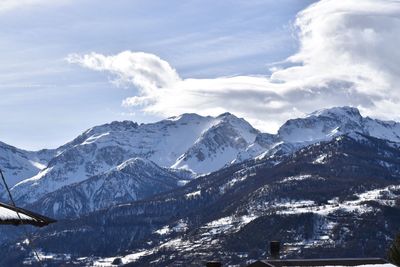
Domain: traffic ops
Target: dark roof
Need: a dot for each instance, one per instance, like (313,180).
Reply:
(318,262)
(9,215)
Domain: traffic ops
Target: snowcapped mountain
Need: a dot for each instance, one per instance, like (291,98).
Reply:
(327,123)
(18,164)
(189,141)
(132,180)
(219,145)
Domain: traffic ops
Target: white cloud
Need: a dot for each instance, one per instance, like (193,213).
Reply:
(348,56)
(146,71)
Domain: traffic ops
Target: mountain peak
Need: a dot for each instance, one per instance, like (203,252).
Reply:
(185,117)
(345,111)
(137,161)
(114,126)
(225,114)
(234,121)
(322,125)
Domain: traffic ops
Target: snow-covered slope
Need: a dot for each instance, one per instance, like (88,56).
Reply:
(18,164)
(167,143)
(327,123)
(192,142)
(132,180)
(263,143)
(219,145)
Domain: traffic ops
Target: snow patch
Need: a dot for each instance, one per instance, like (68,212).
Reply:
(320,159)
(193,194)
(297,178)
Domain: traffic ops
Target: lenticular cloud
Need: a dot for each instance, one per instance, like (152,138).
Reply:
(348,55)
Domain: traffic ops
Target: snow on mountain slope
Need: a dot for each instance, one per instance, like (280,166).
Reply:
(132,180)
(162,142)
(219,145)
(321,125)
(104,147)
(263,142)
(388,130)
(327,123)
(192,142)
(18,164)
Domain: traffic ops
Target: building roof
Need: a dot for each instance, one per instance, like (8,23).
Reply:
(9,215)
(364,262)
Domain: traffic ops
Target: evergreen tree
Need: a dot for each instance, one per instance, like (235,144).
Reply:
(394,251)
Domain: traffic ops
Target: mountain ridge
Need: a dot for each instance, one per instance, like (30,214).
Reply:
(189,142)
(103,147)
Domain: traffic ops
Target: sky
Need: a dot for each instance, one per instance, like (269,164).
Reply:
(70,65)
